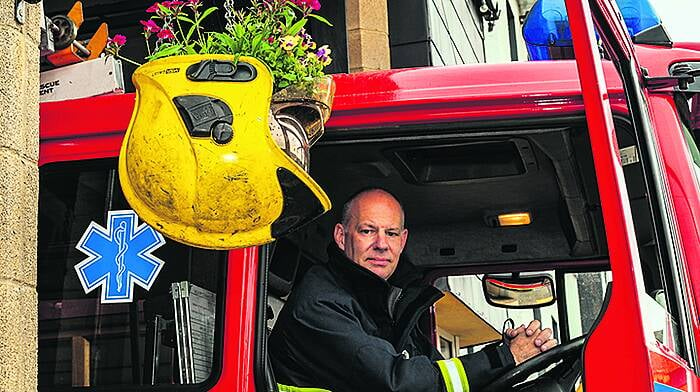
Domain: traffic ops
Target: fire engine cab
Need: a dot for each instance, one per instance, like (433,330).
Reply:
(566,189)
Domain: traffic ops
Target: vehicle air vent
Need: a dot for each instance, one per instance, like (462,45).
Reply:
(464,162)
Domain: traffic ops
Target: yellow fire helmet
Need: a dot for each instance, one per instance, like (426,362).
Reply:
(199,161)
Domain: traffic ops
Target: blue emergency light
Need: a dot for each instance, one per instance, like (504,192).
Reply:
(546,28)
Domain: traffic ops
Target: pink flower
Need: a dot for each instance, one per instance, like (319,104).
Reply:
(118,40)
(165,34)
(149,26)
(175,4)
(153,9)
(313,4)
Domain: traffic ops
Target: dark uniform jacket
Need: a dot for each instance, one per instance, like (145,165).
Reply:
(337,332)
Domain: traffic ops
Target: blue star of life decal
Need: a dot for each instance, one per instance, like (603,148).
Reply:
(119,257)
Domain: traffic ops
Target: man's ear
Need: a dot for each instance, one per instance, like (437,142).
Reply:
(339,236)
(404,238)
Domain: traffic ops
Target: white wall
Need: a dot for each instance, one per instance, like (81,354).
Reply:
(458,34)
(497,41)
(469,290)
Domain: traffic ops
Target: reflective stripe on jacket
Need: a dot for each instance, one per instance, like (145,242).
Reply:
(454,375)
(287,388)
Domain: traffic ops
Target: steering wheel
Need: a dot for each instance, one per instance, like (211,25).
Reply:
(561,375)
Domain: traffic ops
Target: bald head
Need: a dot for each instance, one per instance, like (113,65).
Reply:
(372,232)
(350,205)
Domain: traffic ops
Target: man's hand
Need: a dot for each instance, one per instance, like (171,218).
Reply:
(525,343)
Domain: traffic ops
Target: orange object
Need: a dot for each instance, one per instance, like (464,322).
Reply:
(76,13)
(95,45)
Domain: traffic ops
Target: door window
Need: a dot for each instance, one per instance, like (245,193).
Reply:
(585,293)
(660,308)
(164,335)
(691,136)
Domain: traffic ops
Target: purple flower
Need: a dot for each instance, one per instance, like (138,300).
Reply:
(306,40)
(288,42)
(324,55)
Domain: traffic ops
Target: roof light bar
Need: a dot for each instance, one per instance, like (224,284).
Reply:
(547,34)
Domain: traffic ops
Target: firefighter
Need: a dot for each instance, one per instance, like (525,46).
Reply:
(352,324)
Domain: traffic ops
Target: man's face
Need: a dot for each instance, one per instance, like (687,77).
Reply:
(374,237)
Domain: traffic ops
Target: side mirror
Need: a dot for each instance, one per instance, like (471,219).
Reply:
(513,291)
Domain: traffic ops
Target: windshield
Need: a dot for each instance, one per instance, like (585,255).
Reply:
(582,294)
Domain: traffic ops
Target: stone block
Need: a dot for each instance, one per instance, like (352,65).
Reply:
(368,50)
(18,345)
(7,15)
(31,101)
(19,195)
(32,23)
(366,14)
(32,17)
(19,102)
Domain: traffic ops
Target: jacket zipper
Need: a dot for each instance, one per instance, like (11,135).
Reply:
(395,306)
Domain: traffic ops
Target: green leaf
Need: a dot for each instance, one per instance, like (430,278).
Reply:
(238,29)
(166,51)
(320,19)
(255,44)
(164,9)
(198,21)
(208,44)
(184,18)
(296,27)
(191,31)
(289,18)
(206,13)
(226,40)
(294,6)
(189,49)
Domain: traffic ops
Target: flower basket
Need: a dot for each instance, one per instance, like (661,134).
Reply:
(212,159)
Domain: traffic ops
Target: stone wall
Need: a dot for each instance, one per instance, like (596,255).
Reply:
(19,187)
(367,27)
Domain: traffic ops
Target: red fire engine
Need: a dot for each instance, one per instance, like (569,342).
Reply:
(599,156)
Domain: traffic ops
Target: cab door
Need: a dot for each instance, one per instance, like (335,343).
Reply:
(621,353)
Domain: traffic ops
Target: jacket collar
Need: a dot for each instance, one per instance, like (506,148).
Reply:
(372,292)
(405,275)
(352,273)
(368,288)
